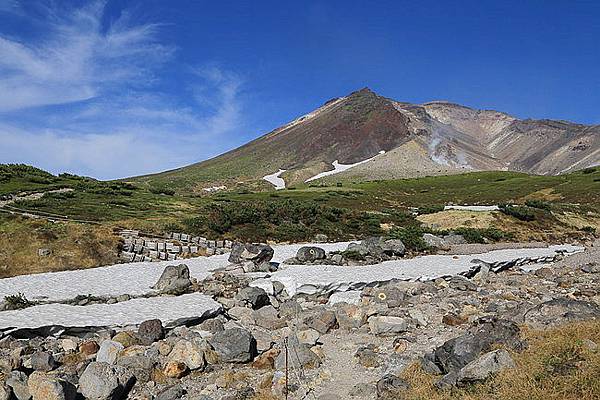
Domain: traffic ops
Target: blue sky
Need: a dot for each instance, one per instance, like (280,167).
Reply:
(118,88)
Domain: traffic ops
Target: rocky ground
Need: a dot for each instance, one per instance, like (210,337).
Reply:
(458,330)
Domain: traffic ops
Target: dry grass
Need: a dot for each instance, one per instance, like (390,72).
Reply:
(558,365)
(452,219)
(73,246)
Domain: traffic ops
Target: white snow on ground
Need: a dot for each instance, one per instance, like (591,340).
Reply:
(214,188)
(472,208)
(132,278)
(337,168)
(275,180)
(328,278)
(171,311)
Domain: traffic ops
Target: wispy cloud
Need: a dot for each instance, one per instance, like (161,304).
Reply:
(85,99)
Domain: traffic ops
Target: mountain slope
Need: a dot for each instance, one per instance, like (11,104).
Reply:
(415,140)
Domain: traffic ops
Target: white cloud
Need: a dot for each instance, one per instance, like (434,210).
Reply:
(125,126)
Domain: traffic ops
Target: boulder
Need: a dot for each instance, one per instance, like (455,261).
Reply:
(456,353)
(310,254)
(309,337)
(349,316)
(385,325)
(175,279)
(254,297)
(174,392)
(322,321)
(485,366)
(44,387)
(175,369)
(89,347)
(17,381)
(126,338)
(560,311)
(235,345)
(435,241)
(368,357)
(190,352)
(109,351)
(151,331)
(454,239)
(299,356)
(268,318)
(391,387)
(102,381)
(5,392)
(42,361)
(256,253)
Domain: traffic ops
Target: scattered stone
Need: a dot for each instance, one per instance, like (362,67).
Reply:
(44,387)
(485,366)
(175,279)
(310,254)
(189,352)
(126,338)
(42,361)
(235,345)
(309,337)
(435,241)
(591,268)
(174,392)
(290,309)
(17,381)
(452,319)
(268,318)
(101,381)
(44,252)
(461,283)
(349,316)
(266,360)
(391,387)
(363,390)
(386,325)
(256,253)
(89,347)
(151,331)
(323,321)
(5,392)
(254,297)
(559,311)
(109,351)
(298,356)
(368,357)
(174,369)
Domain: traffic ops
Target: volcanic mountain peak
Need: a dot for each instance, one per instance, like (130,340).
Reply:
(437,137)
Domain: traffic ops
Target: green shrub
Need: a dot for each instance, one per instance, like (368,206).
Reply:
(590,170)
(411,236)
(588,229)
(430,209)
(522,213)
(162,190)
(542,205)
(17,301)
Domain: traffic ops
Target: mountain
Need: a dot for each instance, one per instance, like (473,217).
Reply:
(385,139)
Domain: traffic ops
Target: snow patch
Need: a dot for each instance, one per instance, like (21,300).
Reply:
(172,311)
(337,168)
(134,279)
(472,208)
(326,279)
(214,188)
(275,179)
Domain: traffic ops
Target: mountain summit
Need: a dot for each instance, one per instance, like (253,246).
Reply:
(365,136)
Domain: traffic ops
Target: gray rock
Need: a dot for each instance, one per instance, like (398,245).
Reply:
(560,311)
(455,353)
(5,392)
(461,283)
(322,321)
(321,238)
(268,318)
(235,345)
(394,247)
(435,241)
(254,297)
(172,393)
(454,239)
(109,351)
(367,357)
(390,387)
(42,361)
(310,254)
(102,381)
(256,253)
(290,309)
(385,325)
(591,268)
(17,381)
(151,331)
(485,366)
(363,390)
(45,387)
(299,356)
(175,279)
(349,316)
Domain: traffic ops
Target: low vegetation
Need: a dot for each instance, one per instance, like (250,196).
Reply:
(17,301)
(559,364)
